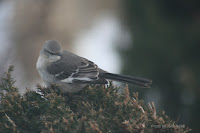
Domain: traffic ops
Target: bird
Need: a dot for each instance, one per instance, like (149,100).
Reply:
(73,73)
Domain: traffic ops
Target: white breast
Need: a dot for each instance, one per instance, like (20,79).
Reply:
(41,66)
(43,61)
(40,62)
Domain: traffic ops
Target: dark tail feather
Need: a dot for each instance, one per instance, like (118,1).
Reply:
(128,79)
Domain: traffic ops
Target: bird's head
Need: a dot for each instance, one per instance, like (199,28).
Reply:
(51,49)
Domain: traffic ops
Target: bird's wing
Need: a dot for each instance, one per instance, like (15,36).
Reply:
(79,70)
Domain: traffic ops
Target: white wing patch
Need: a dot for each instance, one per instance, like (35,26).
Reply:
(59,74)
(97,74)
(70,79)
(81,77)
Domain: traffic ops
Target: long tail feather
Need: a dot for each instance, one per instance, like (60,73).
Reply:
(128,79)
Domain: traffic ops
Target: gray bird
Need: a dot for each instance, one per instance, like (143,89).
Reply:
(72,72)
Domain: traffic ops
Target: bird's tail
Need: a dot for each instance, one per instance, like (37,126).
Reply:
(128,79)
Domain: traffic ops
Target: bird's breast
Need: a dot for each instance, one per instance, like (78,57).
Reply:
(41,67)
(41,62)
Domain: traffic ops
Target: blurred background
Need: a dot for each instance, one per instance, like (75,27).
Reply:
(159,40)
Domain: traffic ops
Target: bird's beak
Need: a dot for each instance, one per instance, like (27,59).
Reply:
(59,54)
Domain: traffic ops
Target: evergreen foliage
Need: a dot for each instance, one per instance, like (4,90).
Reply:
(95,109)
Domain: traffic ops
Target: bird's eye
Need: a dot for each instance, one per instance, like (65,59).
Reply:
(49,53)
(46,52)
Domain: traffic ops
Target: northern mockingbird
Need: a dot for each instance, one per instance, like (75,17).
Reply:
(72,72)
